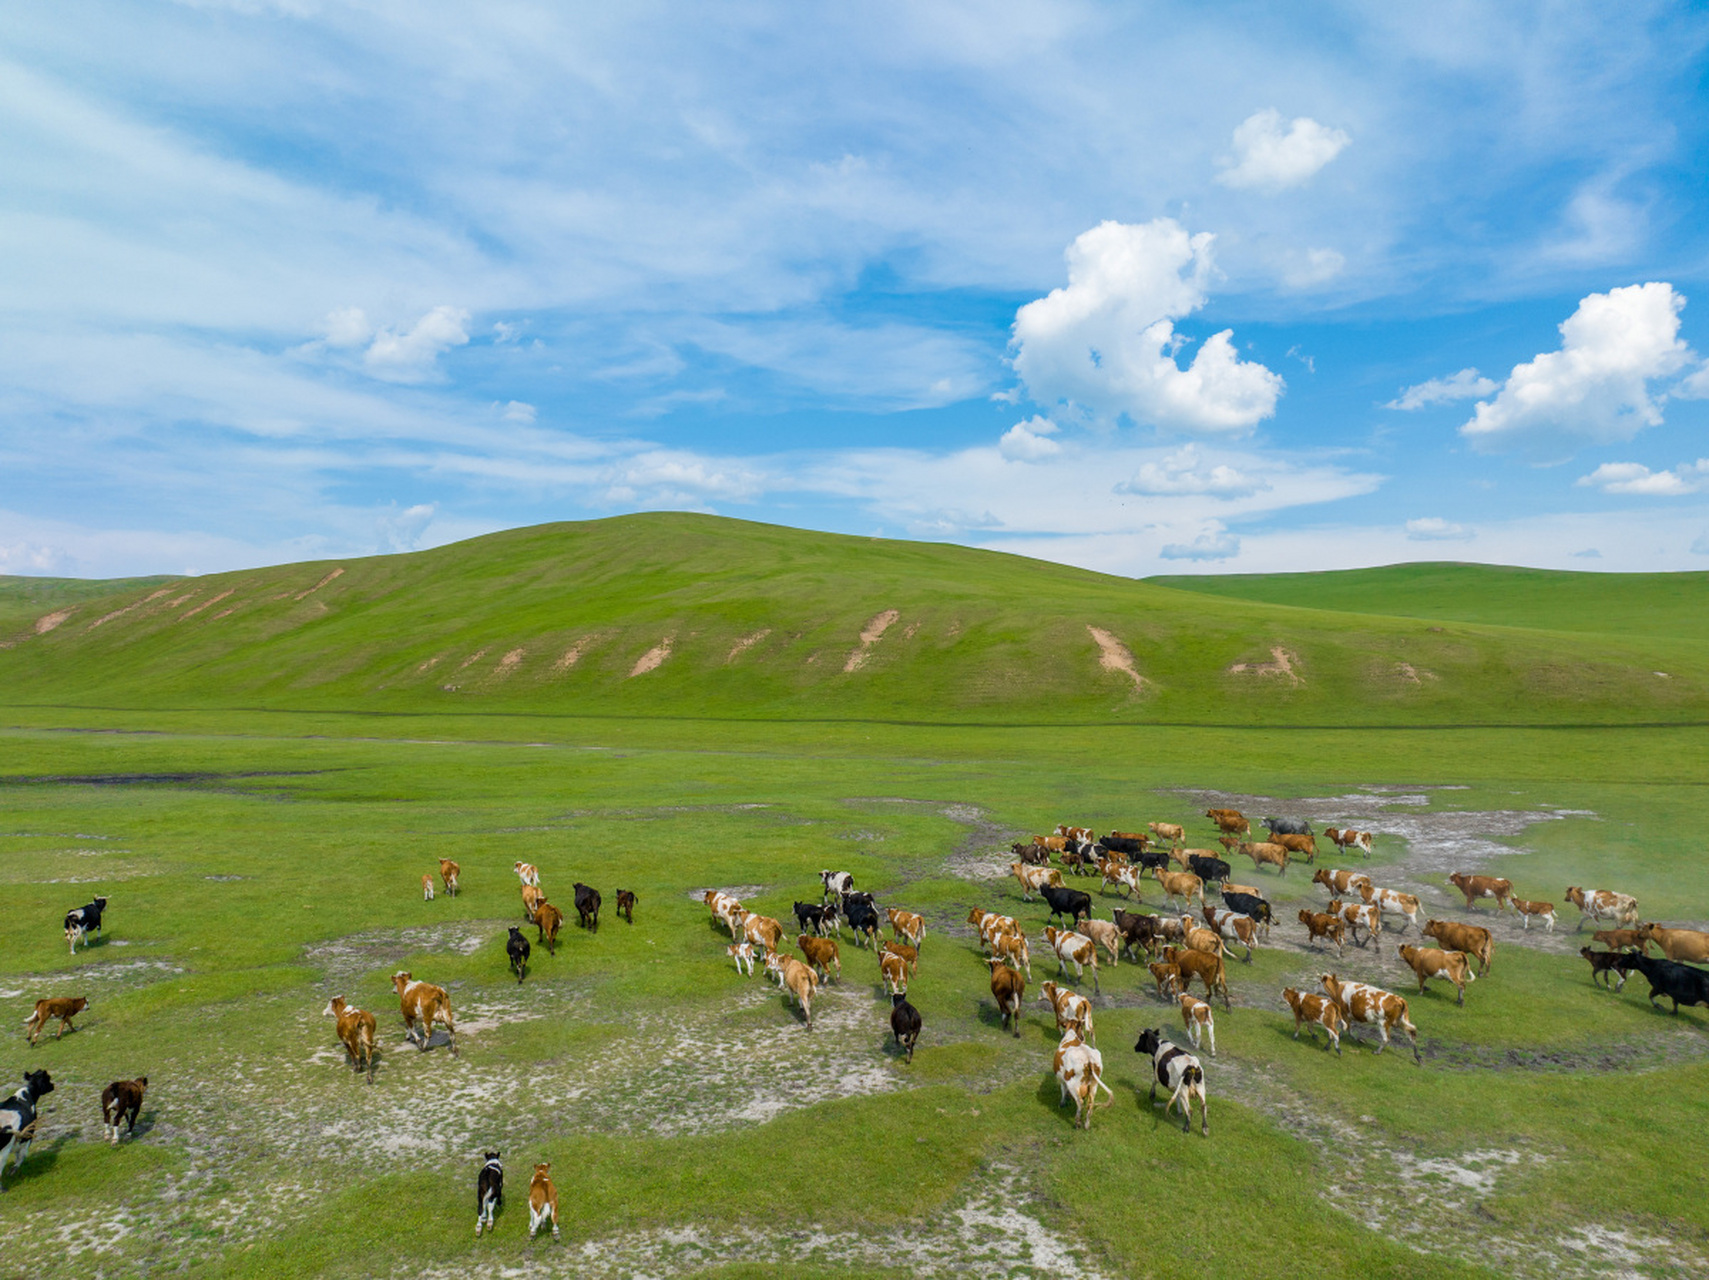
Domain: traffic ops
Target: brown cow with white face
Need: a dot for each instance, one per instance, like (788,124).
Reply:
(356,1031)
(448,872)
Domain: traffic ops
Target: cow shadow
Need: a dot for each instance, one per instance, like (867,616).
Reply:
(44,1155)
(438,1040)
(144,1125)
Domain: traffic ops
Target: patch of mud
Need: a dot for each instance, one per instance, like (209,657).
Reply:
(992,1231)
(653,659)
(745,643)
(1281,664)
(870,635)
(1113,655)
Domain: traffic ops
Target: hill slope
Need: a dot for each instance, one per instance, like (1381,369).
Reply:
(672,614)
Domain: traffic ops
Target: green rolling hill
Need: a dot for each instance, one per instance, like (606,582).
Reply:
(688,615)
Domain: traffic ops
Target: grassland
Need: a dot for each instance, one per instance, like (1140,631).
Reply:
(693,1124)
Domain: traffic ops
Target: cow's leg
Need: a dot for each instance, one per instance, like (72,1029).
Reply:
(1383,1031)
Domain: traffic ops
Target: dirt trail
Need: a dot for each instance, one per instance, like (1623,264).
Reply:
(301,595)
(870,635)
(745,643)
(1113,655)
(653,659)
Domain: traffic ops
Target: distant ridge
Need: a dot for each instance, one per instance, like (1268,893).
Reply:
(689,615)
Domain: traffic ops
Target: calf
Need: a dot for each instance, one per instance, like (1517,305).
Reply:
(427,1004)
(426,887)
(1196,1017)
(837,884)
(905,924)
(808,916)
(1475,887)
(1393,902)
(550,920)
(1349,839)
(528,873)
(121,1101)
(65,1008)
(1073,949)
(904,1024)
(1071,903)
(1055,844)
(822,954)
(1451,966)
(1602,963)
(1314,1011)
(1471,939)
(80,922)
(518,950)
(1234,927)
(448,872)
(1528,911)
(1168,831)
(626,905)
(1603,904)
(1321,924)
(356,1032)
(1249,904)
(1204,966)
(531,900)
(743,954)
(1179,1072)
(1167,976)
(587,907)
(1208,869)
(1360,1002)
(1070,1008)
(1181,884)
(1128,878)
(1620,939)
(489,1192)
(1341,882)
(542,1201)
(1079,1069)
(1359,916)
(1675,944)
(1305,846)
(18,1120)
(1287,827)
(1008,989)
(1265,854)
(797,979)
(1680,983)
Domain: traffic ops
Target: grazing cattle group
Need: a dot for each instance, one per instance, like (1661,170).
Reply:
(1180,950)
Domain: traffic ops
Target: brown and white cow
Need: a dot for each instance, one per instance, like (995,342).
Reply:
(531,900)
(724,908)
(1167,976)
(356,1031)
(1170,831)
(427,1004)
(448,872)
(1603,904)
(1196,1017)
(1470,938)
(1341,883)
(1314,1011)
(1012,950)
(1475,887)
(1681,945)
(822,954)
(743,954)
(542,1201)
(763,930)
(1009,989)
(1124,875)
(1361,1002)
(65,1008)
(1079,1069)
(121,1103)
(1233,926)
(1265,853)
(1450,966)
(1084,834)
(1070,1008)
(1052,844)
(1033,878)
(1392,902)
(426,887)
(1075,949)
(893,971)
(1529,911)
(906,924)
(1346,838)
(528,873)
(796,978)
(1358,916)
(910,955)
(549,920)
(1325,924)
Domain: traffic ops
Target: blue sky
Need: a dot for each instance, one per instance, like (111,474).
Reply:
(1140,287)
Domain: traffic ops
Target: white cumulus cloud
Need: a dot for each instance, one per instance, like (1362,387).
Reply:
(1695,386)
(1215,543)
(1436,529)
(410,356)
(519,411)
(1106,342)
(1467,384)
(1029,441)
(1635,477)
(1182,472)
(1268,157)
(1596,387)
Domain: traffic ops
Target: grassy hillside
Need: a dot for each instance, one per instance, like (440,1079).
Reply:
(684,615)
(25,602)
(1652,604)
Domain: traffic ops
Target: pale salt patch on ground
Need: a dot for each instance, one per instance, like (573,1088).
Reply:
(653,659)
(1113,655)
(870,635)
(1610,1251)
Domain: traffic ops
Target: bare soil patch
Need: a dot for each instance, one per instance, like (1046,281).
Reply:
(653,659)
(1281,664)
(745,643)
(1113,655)
(870,635)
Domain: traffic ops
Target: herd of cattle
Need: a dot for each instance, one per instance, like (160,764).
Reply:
(1179,949)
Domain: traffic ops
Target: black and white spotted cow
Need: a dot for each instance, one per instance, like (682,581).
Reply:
(489,1192)
(80,922)
(1179,1072)
(836,884)
(17,1116)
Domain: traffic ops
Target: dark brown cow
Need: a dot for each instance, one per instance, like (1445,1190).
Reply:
(122,1101)
(1470,938)
(626,905)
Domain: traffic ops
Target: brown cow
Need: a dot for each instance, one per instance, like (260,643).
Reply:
(796,978)
(424,1003)
(1359,916)
(1304,845)
(1168,831)
(1451,966)
(448,872)
(822,954)
(1167,977)
(626,904)
(1181,884)
(893,971)
(910,955)
(1340,882)
(1229,821)
(531,900)
(122,1101)
(1361,1002)
(905,924)
(1265,853)
(356,1031)
(1677,944)
(1470,938)
(550,920)
(1320,924)
(542,1201)
(1009,989)
(1544,911)
(1475,887)
(763,930)
(1620,939)
(1313,1010)
(1198,938)
(65,1008)
(1204,966)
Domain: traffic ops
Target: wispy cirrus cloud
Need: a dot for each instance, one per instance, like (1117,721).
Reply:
(1467,384)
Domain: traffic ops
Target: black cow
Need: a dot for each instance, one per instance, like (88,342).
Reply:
(1070,901)
(1081,858)
(1289,827)
(1208,869)
(81,921)
(489,1192)
(1157,860)
(587,906)
(1602,963)
(626,905)
(17,1114)
(862,916)
(517,949)
(1248,904)
(809,915)
(904,1023)
(1124,844)
(1138,930)
(1680,983)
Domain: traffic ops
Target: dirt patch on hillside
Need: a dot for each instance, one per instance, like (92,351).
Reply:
(1113,655)
(509,663)
(574,654)
(870,635)
(48,621)
(1281,664)
(745,643)
(653,659)
(135,604)
(206,604)
(317,586)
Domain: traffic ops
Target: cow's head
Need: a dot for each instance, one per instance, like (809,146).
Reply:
(400,980)
(38,1083)
(334,1007)
(1149,1042)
